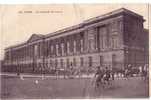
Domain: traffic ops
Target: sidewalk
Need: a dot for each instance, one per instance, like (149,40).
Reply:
(29,75)
(46,75)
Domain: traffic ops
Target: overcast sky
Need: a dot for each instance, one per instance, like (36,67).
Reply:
(18,23)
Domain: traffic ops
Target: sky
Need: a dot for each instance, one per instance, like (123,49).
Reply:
(19,22)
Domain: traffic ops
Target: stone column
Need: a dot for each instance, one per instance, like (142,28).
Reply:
(86,41)
(71,44)
(65,45)
(98,39)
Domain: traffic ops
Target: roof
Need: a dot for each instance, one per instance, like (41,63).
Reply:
(35,37)
(94,19)
(115,12)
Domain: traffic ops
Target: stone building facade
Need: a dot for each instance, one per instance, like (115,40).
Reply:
(114,40)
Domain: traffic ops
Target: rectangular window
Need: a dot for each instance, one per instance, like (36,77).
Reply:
(61,63)
(113,60)
(114,27)
(102,33)
(114,42)
(50,63)
(74,62)
(101,60)
(68,63)
(90,61)
(82,62)
(56,63)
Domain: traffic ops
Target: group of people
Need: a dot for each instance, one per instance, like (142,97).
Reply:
(143,71)
(104,75)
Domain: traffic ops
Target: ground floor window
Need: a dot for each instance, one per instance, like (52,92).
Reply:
(90,61)
(56,63)
(101,60)
(74,62)
(81,61)
(114,60)
(61,63)
(68,63)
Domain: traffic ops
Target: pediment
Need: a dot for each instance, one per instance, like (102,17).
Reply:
(35,37)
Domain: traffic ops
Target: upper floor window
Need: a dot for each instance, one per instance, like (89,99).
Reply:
(114,42)
(102,30)
(82,34)
(6,55)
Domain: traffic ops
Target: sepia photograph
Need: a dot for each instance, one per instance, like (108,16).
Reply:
(74,51)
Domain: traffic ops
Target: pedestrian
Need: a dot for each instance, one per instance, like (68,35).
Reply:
(145,72)
(112,74)
(140,71)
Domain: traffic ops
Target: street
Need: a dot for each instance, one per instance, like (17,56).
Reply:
(48,87)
